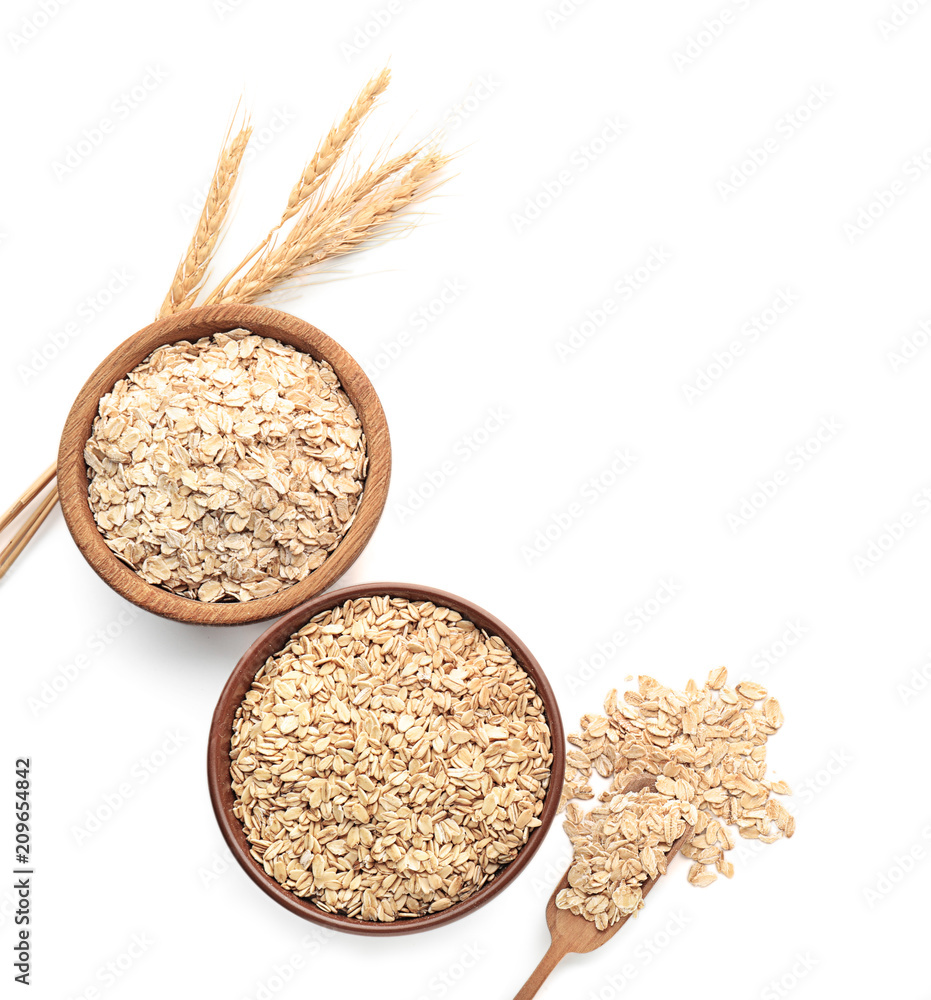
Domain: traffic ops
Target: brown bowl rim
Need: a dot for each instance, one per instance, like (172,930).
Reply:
(271,641)
(194,323)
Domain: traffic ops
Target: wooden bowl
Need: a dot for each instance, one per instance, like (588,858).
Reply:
(191,325)
(271,642)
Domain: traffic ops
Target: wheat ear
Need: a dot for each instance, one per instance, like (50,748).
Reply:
(318,169)
(192,269)
(345,223)
(332,147)
(311,226)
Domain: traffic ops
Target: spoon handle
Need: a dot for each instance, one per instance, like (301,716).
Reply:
(556,952)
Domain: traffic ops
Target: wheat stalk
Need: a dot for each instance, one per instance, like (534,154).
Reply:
(361,207)
(192,269)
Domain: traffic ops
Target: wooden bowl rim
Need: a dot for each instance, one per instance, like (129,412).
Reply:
(272,641)
(191,325)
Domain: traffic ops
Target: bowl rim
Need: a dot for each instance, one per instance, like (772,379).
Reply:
(191,325)
(272,641)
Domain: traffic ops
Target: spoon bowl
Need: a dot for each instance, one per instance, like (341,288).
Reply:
(571,933)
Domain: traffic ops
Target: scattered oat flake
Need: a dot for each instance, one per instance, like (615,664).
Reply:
(707,748)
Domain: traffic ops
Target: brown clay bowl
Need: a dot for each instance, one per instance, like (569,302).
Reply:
(191,325)
(221,727)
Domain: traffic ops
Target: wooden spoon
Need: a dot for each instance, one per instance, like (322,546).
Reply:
(571,933)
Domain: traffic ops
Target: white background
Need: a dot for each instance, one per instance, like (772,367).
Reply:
(833,908)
